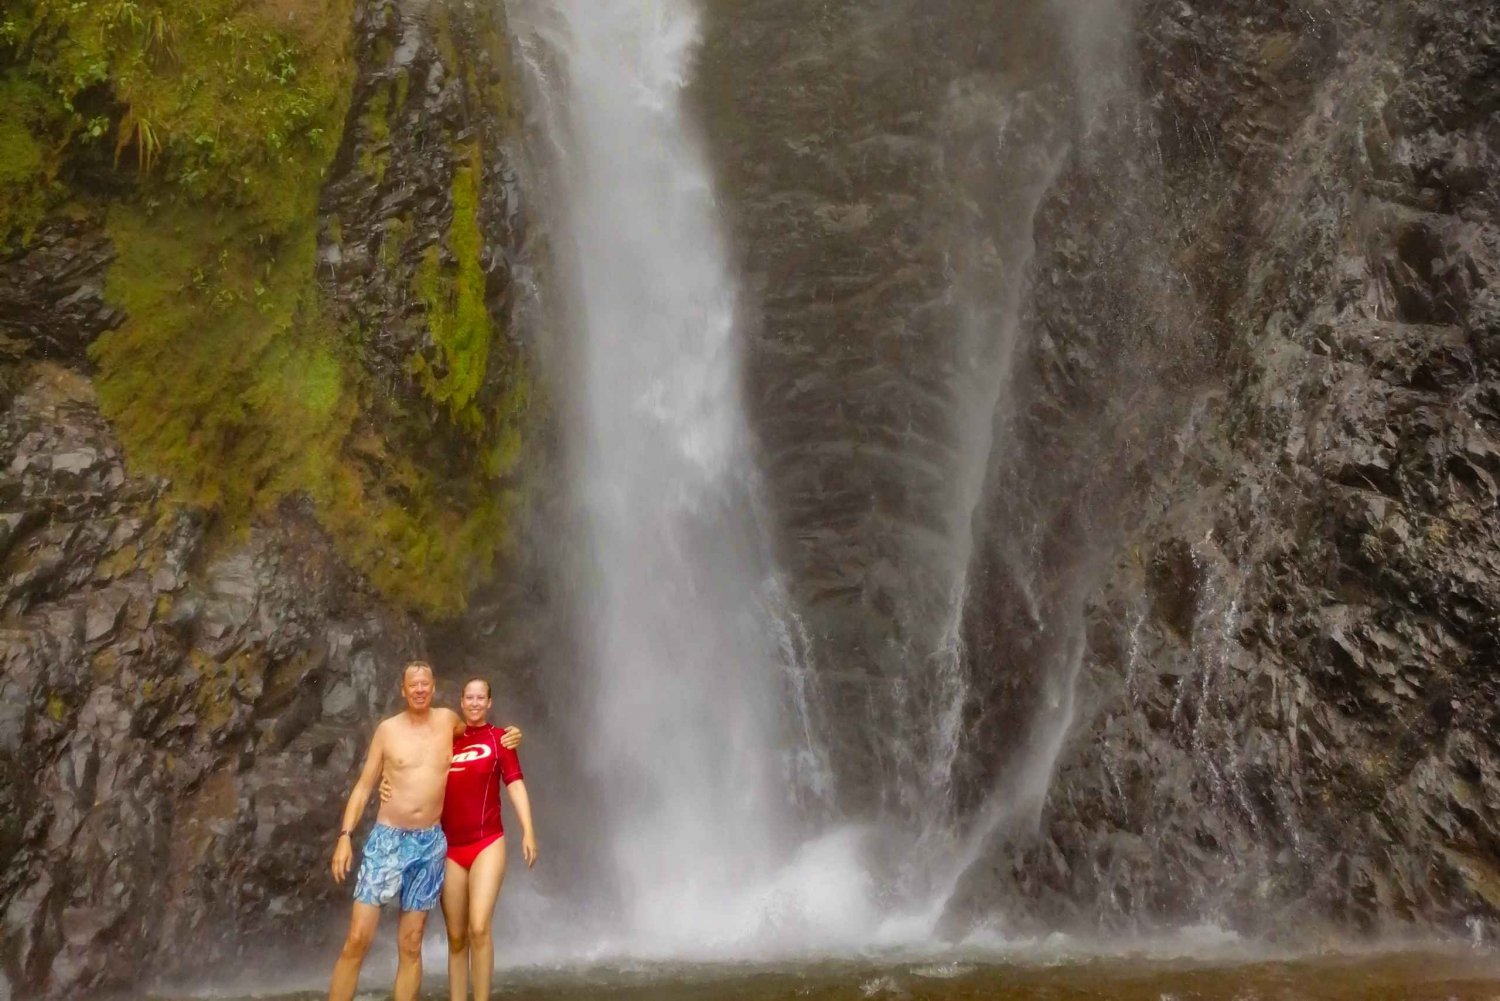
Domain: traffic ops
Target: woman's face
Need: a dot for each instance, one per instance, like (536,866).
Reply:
(475,702)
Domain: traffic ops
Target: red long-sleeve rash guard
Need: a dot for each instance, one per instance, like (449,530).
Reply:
(471,806)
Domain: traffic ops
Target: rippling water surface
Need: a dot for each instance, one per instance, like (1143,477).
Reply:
(1404,977)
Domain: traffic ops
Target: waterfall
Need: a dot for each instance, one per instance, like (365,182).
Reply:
(691,649)
(716,726)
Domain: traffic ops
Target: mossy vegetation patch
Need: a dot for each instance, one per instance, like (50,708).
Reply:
(376,120)
(231,380)
(457,315)
(226,100)
(213,124)
(220,119)
(30,152)
(225,378)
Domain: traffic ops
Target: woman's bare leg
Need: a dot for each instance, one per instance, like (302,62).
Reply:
(456,916)
(485,877)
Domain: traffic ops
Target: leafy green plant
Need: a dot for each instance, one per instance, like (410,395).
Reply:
(140,133)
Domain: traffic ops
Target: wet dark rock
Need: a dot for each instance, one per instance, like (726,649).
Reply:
(1289,682)
(153,782)
(1242,476)
(52,293)
(1176,583)
(432,101)
(392,185)
(879,168)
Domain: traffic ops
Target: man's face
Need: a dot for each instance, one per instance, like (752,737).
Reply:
(475,702)
(417,686)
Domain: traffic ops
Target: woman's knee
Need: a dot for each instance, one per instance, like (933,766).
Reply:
(458,940)
(479,929)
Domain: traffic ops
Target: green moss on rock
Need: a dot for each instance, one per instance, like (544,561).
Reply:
(376,120)
(457,316)
(230,377)
(29,156)
(224,378)
(270,405)
(232,101)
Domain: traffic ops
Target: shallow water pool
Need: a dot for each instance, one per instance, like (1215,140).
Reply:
(1425,976)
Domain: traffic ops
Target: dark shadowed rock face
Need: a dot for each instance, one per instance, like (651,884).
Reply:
(432,100)
(881,165)
(52,294)
(1287,713)
(1229,623)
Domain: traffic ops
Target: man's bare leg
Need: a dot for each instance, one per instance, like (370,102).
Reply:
(409,955)
(456,914)
(485,877)
(362,925)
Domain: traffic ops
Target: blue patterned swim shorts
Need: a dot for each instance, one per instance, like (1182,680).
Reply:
(408,863)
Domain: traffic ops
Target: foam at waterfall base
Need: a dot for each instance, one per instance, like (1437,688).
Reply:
(824,904)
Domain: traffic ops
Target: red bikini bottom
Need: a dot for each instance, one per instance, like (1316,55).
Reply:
(465,855)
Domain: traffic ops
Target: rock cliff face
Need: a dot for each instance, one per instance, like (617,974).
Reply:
(174,712)
(1229,612)
(1286,704)
(882,167)
(198,631)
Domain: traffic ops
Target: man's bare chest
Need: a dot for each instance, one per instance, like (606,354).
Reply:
(408,750)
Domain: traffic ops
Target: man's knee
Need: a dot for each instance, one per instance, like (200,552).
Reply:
(357,942)
(409,943)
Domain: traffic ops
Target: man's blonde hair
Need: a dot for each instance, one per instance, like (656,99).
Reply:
(420,665)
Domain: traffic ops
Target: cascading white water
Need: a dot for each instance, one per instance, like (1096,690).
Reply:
(686,649)
(703,710)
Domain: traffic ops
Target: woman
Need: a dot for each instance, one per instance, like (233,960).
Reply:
(476,840)
(483,760)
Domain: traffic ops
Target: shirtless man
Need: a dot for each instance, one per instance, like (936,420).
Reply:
(405,853)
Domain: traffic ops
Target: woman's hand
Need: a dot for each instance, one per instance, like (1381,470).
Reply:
(386,789)
(528,849)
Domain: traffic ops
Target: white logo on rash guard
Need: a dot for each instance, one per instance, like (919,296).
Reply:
(474,752)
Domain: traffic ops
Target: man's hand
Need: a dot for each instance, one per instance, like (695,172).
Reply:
(386,789)
(528,849)
(343,855)
(511,738)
